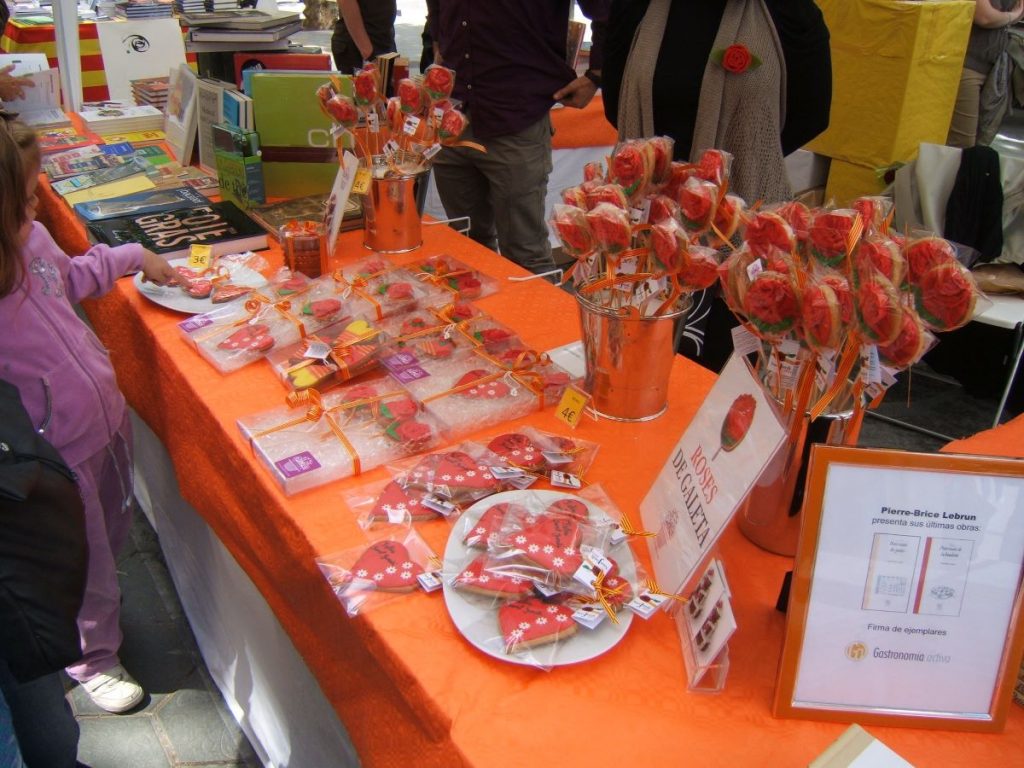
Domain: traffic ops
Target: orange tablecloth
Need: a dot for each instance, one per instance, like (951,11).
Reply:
(409,689)
(585,127)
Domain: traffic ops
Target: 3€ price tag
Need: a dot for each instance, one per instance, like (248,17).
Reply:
(561,479)
(571,406)
(361,183)
(200,257)
(430,581)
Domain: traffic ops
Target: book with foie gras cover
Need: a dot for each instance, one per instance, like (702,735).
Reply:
(222,225)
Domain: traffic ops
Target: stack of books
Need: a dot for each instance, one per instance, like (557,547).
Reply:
(151,91)
(241,27)
(199,7)
(120,117)
(145,9)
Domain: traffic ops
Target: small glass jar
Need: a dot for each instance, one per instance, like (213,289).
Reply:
(305,247)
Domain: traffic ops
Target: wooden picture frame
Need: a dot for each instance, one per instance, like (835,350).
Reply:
(906,599)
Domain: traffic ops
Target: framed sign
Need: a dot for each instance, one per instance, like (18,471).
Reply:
(906,599)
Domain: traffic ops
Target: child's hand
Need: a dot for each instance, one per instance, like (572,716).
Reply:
(155,269)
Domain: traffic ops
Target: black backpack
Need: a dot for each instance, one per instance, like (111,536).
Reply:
(43,552)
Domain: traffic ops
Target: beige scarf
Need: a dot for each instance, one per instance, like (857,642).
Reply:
(741,114)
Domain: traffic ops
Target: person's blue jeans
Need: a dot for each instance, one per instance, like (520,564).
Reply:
(45,727)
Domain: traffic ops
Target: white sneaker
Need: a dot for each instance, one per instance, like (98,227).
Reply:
(114,690)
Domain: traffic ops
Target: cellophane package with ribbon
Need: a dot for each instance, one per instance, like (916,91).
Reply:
(468,393)
(458,279)
(331,356)
(373,574)
(384,503)
(378,289)
(315,439)
(530,629)
(424,334)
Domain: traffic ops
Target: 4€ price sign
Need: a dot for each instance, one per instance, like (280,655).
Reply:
(571,406)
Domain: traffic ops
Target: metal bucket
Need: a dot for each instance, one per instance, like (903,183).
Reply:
(770,516)
(392,217)
(629,359)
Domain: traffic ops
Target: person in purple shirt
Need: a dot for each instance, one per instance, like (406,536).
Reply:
(509,58)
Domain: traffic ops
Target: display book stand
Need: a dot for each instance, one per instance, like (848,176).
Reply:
(705,622)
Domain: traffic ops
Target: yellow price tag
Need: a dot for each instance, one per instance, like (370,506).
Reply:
(361,183)
(200,257)
(571,406)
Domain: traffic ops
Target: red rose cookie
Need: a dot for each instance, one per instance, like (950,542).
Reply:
(945,296)
(909,344)
(925,253)
(771,303)
(821,317)
(767,232)
(530,622)
(879,309)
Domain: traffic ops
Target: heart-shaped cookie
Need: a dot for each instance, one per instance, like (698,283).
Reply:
(529,622)
(226,293)
(475,577)
(198,289)
(552,543)
(388,565)
(394,502)
(255,338)
(487,390)
(488,527)
(455,475)
(571,508)
(517,450)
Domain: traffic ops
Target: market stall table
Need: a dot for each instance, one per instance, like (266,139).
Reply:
(408,688)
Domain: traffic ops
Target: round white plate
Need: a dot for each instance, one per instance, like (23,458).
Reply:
(469,618)
(172,297)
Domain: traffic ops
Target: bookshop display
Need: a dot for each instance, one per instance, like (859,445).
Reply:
(455,442)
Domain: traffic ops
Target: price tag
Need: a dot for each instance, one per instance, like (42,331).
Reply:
(438,114)
(439,505)
(200,257)
(430,151)
(617,535)
(390,147)
(744,342)
(571,406)
(373,122)
(317,350)
(361,183)
(545,591)
(586,575)
(430,581)
(871,368)
(522,482)
(645,604)
(589,616)
(561,479)
(411,124)
(556,458)
(755,268)
(506,473)
(597,556)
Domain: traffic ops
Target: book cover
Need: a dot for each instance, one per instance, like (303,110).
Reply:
(180,123)
(63,165)
(221,225)
(243,36)
(90,179)
(239,168)
(141,203)
(138,48)
(63,139)
(282,60)
(126,186)
(273,216)
(242,18)
(209,111)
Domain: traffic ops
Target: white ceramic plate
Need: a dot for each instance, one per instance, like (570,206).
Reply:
(470,618)
(172,297)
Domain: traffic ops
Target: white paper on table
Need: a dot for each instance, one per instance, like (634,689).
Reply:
(337,202)
(912,592)
(138,49)
(706,477)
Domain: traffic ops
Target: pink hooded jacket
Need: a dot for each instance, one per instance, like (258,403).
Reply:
(60,368)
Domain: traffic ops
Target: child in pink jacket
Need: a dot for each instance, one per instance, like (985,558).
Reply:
(69,389)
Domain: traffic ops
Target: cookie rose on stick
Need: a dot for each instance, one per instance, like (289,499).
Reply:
(798,216)
(631,166)
(945,296)
(767,231)
(438,82)
(771,304)
(606,193)
(714,165)
(698,201)
(453,125)
(878,253)
(365,84)
(610,227)
(700,267)
(661,149)
(821,316)
(728,217)
(878,309)
(910,344)
(662,208)
(830,235)
(573,231)
(924,253)
(669,242)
